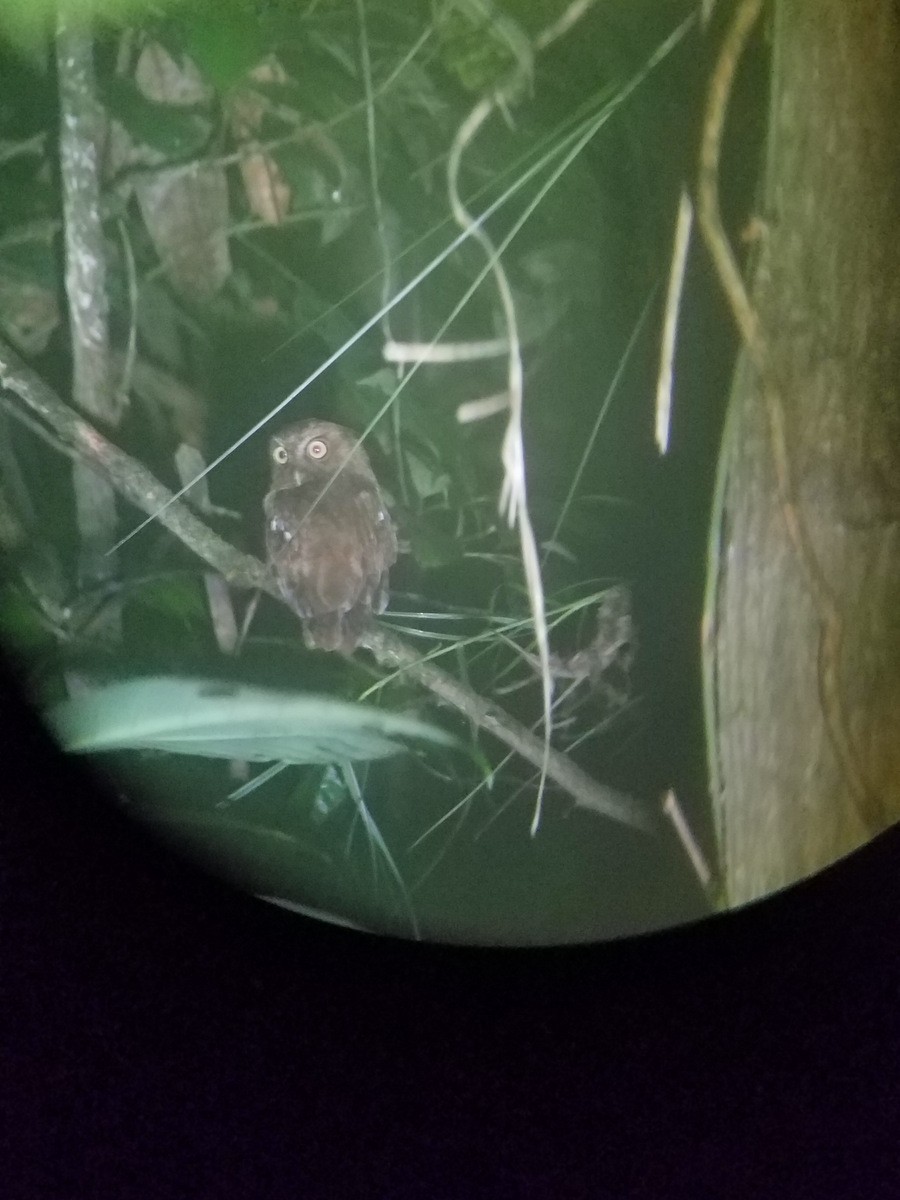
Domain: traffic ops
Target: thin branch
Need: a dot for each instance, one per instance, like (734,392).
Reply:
(569,147)
(680,246)
(513,498)
(483,407)
(32,145)
(444,352)
(129,478)
(563,24)
(672,809)
(392,651)
(513,495)
(138,485)
(124,382)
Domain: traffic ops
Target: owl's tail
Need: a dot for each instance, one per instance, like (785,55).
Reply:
(336,630)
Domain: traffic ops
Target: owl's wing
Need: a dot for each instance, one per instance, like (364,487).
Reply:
(386,545)
(333,555)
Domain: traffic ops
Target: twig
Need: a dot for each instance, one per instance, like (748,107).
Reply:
(444,352)
(563,24)
(32,145)
(138,485)
(513,498)
(672,809)
(483,407)
(513,495)
(123,385)
(572,145)
(390,650)
(670,321)
(127,476)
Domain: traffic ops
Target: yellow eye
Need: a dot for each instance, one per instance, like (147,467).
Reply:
(317,448)
(280,455)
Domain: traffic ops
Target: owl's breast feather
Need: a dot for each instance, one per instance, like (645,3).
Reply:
(331,552)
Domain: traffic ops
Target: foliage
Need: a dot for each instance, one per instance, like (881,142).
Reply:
(271,177)
(26,21)
(216,720)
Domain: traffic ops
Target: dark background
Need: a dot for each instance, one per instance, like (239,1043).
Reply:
(166,1036)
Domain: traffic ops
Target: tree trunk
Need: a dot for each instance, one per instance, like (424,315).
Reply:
(827,291)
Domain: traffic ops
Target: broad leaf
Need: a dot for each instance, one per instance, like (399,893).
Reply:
(223,720)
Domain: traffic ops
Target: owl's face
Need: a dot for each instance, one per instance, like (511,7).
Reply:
(315,450)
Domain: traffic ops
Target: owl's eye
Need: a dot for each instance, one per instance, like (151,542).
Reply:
(317,448)
(280,455)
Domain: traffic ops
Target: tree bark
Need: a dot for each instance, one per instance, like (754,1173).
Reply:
(79,151)
(827,294)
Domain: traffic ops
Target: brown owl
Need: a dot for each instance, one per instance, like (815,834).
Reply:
(329,537)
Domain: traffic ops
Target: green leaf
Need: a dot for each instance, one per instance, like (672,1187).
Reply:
(312,312)
(429,478)
(226,44)
(24,630)
(225,720)
(181,599)
(481,44)
(26,21)
(315,187)
(564,263)
(431,543)
(174,130)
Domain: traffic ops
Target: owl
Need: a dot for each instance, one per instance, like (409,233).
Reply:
(329,538)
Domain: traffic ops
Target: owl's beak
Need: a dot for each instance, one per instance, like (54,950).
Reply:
(298,477)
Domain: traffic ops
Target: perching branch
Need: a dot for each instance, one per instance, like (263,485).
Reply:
(141,488)
(391,650)
(127,476)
